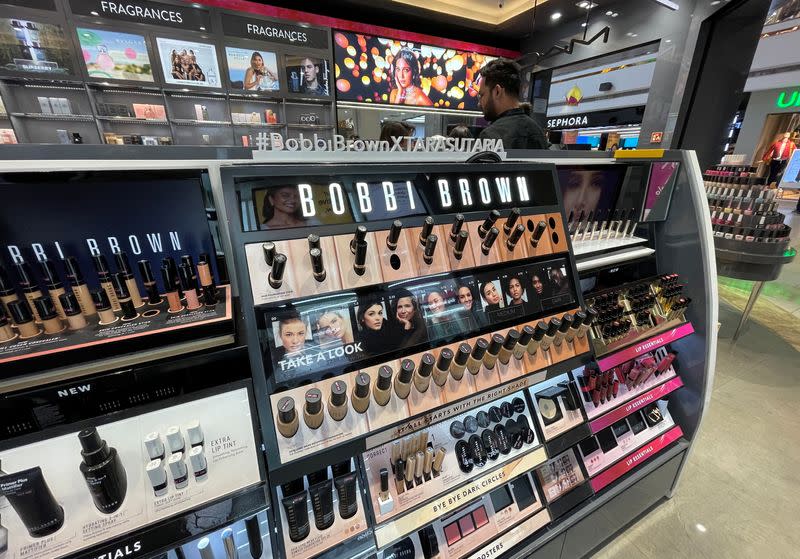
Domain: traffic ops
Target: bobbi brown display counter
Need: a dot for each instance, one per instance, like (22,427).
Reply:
(451,360)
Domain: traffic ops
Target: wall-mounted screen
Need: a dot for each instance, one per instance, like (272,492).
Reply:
(252,70)
(188,63)
(114,55)
(308,75)
(33,47)
(377,70)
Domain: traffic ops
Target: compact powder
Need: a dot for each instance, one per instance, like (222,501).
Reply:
(451,533)
(466,525)
(479,516)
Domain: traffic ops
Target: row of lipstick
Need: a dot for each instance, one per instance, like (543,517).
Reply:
(780,236)
(601,225)
(772,222)
(428,242)
(599,388)
(730,178)
(68,304)
(449,364)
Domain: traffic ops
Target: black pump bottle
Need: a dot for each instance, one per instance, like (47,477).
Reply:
(101,467)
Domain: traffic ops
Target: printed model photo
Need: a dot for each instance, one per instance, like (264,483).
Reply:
(252,70)
(307,75)
(188,63)
(280,207)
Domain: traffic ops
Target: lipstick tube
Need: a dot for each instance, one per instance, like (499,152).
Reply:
(149,281)
(509,343)
(173,297)
(317,265)
(422,378)
(578,227)
(29,288)
(124,297)
(54,286)
(6,331)
(430,249)
(7,291)
(488,241)
(475,361)
(427,229)
(455,229)
(124,267)
(460,361)
(382,390)
(360,261)
(22,316)
(536,236)
(550,335)
(269,251)
(442,369)
(104,276)
(538,335)
(394,235)
(402,382)
(523,342)
(566,324)
(516,235)
(47,312)
(189,287)
(460,244)
(359,237)
(206,275)
(488,223)
(79,288)
(490,357)
(512,218)
(103,308)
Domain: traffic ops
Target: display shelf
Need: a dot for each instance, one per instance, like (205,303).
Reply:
(133,120)
(304,101)
(206,97)
(667,333)
(638,456)
(513,536)
(635,403)
(567,439)
(200,123)
(257,125)
(312,126)
(617,257)
(583,248)
(442,504)
(44,116)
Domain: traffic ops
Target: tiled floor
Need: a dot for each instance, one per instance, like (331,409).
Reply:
(739,496)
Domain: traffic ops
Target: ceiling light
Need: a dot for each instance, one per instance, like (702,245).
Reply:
(555,16)
(582,4)
(586,4)
(615,14)
(715,2)
(609,12)
(583,24)
(668,4)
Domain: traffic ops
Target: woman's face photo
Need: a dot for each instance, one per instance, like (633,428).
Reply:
(583,190)
(490,293)
(465,297)
(402,72)
(405,308)
(435,302)
(373,317)
(258,62)
(285,200)
(331,326)
(538,286)
(293,335)
(515,289)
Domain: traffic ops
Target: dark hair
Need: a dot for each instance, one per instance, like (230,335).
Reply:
(413,63)
(364,303)
(527,107)
(484,284)
(460,131)
(502,72)
(403,293)
(394,129)
(268,210)
(508,283)
(290,317)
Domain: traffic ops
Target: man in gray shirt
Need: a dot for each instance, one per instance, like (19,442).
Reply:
(498,96)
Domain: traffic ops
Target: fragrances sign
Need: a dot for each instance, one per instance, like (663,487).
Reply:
(80,489)
(144,11)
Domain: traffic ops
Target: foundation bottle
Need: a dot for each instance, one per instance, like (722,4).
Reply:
(7,291)
(124,268)
(442,369)
(79,287)
(577,321)
(186,260)
(104,277)
(422,378)
(22,316)
(189,289)
(337,401)
(29,288)
(124,297)
(103,305)
(591,316)
(550,335)
(402,382)
(509,343)
(360,395)
(312,413)
(524,339)
(47,312)
(6,332)
(54,286)
(149,281)
(460,361)
(475,361)
(566,324)
(206,275)
(288,420)
(490,357)
(538,336)
(172,294)
(382,390)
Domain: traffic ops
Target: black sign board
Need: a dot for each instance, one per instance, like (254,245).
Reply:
(468,192)
(613,117)
(37,4)
(274,32)
(144,11)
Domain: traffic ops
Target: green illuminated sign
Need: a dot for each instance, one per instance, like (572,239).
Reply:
(788,99)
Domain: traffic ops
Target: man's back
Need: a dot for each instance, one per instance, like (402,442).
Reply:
(517,130)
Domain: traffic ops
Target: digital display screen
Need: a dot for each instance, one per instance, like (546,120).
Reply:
(308,75)
(288,206)
(590,188)
(252,70)
(386,71)
(116,56)
(188,63)
(33,47)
